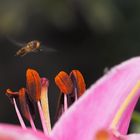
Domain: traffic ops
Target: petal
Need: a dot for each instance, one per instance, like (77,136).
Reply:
(98,106)
(12,132)
(130,137)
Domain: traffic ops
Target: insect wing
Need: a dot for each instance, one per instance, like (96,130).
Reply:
(47,49)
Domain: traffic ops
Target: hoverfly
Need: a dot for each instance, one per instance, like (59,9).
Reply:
(31,47)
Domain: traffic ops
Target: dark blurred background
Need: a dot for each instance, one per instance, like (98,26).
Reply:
(88,35)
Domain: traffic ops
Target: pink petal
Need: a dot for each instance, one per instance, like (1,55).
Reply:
(98,106)
(130,137)
(11,132)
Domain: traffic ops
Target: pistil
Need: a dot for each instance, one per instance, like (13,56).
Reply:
(45,103)
(42,118)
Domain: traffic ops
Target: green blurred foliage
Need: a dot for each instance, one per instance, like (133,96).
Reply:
(99,15)
(135,122)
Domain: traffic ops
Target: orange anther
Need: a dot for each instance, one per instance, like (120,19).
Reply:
(78,81)
(33,84)
(64,82)
(11,93)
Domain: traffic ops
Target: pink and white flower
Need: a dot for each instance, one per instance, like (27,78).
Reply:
(102,113)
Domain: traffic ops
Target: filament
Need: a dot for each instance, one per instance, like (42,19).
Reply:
(19,115)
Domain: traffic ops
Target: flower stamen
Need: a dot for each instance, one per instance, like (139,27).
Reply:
(64,82)
(75,93)
(78,83)
(33,84)
(19,115)
(72,86)
(25,107)
(12,95)
(65,85)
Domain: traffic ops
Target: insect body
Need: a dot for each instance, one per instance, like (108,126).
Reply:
(32,46)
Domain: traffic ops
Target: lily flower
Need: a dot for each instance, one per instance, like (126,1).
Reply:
(103,112)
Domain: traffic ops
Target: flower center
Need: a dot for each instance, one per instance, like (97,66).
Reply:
(36,95)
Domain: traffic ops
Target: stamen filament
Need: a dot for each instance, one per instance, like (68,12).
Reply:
(125,105)
(42,118)
(75,92)
(65,103)
(19,115)
(32,122)
(45,108)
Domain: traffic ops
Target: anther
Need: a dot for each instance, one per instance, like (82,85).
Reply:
(64,82)
(79,86)
(78,82)
(65,85)
(25,107)
(12,96)
(33,84)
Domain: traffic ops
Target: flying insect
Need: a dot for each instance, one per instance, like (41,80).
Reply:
(33,46)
